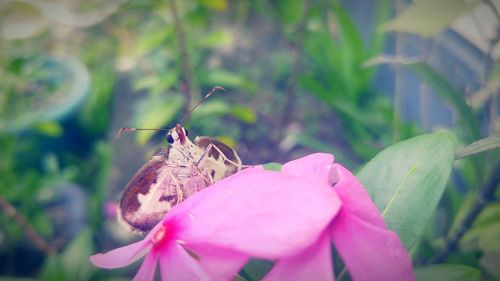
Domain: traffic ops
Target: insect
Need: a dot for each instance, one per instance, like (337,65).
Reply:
(173,174)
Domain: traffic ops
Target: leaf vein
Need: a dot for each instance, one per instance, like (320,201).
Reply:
(400,187)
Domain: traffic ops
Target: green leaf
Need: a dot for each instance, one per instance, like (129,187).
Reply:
(53,269)
(157,84)
(218,5)
(49,128)
(446,272)
(227,140)
(155,113)
(95,116)
(488,240)
(212,108)
(479,146)
(407,180)
(485,231)
(289,11)
(152,39)
(226,79)
(438,15)
(257,269)
(464,203)
(244,113)
(75,258)
(382,13)
(489,215)
(219,38)
(272,166)
(452,96)
(351,44)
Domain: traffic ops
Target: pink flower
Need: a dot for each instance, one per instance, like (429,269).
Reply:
(369,250)
(210,236)
(110,210)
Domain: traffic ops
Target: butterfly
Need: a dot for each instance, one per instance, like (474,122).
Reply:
(173,174)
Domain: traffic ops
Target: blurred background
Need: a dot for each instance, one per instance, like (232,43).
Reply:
(345,77)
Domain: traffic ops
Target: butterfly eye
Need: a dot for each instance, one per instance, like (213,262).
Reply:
(170,139)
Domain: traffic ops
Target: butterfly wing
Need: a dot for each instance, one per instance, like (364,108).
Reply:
(170,177)
(141,206)
(155,189)
(216,164)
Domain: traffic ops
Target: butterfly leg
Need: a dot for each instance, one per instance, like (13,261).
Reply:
(208,179)
(224,157)
(178,189)
(195,169)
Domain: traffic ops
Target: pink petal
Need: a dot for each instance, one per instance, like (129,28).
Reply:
(315,166)
(265,214)
(122,256)
(148,267)
(314,264)
(176,264)
(370,252)
(220,264)
(355,199)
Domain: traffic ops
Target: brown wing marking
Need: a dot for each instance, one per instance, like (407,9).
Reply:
(142,183)
(229,153)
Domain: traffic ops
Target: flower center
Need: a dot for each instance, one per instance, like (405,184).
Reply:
(159,235)
(163,234)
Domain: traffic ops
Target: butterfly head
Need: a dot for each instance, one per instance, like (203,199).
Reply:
(177,135)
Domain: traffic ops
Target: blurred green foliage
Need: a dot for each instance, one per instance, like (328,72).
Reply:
(297,81)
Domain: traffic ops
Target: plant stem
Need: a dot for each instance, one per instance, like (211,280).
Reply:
(485,195)
(186,70)
(399,83)
(291,83)
(40,242)
(489,62)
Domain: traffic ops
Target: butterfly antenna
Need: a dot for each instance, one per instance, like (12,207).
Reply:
(214,89)
(127,129)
